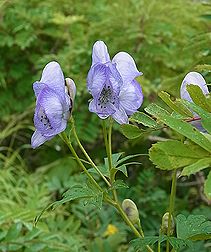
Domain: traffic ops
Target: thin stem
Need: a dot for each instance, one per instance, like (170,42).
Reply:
(68,143)
(140,229)
(109,155)
(130,224)
(88,157)
(171,206)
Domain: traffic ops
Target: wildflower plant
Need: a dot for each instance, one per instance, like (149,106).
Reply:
(117,96)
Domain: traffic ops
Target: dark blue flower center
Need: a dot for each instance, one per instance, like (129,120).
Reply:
(44,120)
(106,96)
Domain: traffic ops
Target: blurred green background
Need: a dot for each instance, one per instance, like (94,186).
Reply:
(167,39)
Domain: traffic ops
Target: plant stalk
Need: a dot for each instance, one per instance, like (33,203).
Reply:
(171,206)
(87,156)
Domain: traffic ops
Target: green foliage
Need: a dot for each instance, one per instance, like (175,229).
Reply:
(207,186)
(131,131)
(179,126)
(194,227)
(174,154)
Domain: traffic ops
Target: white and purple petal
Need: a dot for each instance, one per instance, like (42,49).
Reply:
(38,87)
(96,79)
(126,66)
(131,97)
(53,77)
(52,112)
(195,79)
(38,139)
(100,53)
(120,116)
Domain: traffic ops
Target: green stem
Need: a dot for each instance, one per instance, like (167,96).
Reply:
(107,198)
(140,229)
(108,144)
(171,206)
(68,143)
(130,224)
(87,156)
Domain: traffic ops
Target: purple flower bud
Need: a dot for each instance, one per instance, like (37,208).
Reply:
(195,79)
(112,84)
(53,104)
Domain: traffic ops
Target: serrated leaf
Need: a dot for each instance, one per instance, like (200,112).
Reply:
(103,168)
(198,96)
(131,131)
(192,226)
(178,243)
(118,184)
(97,200)
(207,186)
(196,167)
(144,119)
(76,192)
(174,154)
(140,243)
(181,127)
(176,106)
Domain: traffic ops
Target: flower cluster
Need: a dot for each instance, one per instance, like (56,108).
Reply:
(53,105)
(112,84)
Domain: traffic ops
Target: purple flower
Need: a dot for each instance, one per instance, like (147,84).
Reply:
(112,84)
(53,105)
(195,79)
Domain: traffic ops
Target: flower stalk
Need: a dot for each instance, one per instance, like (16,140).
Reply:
(171,206)
(87,155)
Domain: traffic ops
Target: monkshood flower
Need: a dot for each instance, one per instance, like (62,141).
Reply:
(195,79)
(112,84)
(53,105)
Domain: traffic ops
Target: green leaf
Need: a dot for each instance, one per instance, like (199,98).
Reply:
(181,127)
(121,168)
(14,232)
(177,106)
(207,186)
(97,200)
(131,131)
(119,165)
(178,243)
(118,184)
(174,154)
(192,227)
(198,96)
(127,157)
(103,168)
(140,243)
(144,119)
(205,116)
(76,192)
(197,166)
